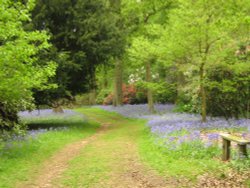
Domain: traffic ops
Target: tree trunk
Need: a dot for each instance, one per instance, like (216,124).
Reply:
(92,97)
(92,94)
(118,83)
(105,77)
(203,94)
(248,104)
(180,85)
(150,98)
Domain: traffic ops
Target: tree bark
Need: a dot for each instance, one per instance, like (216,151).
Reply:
(248,103)
(92,97)
(118,83)
(150,98)
(180,84)
(203,94)
(105,77)
(92,93)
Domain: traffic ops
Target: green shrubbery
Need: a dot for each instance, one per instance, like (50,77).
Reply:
(163,93)
(166,93)
(20,71)
(102,95)
(229,90)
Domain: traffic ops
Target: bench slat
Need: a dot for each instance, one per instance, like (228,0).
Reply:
(236,139)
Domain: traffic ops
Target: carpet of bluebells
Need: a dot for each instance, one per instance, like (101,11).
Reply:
(47,115)
(174,129)
(41,121)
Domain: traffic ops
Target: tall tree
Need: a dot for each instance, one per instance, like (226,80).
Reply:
(202,34)
(84,36)
(151,17)
(20,71)
(116,8)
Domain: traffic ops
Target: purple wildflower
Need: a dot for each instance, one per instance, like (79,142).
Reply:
(166,123)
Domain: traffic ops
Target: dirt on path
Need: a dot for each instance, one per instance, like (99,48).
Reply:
(56,165)
(126,169)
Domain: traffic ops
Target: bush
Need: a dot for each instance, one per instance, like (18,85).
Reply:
(228,90)
(102,95)
(130,95)
(163,93)
(109,99)
(166,93)
(8,116)
(141,97)
(81,100)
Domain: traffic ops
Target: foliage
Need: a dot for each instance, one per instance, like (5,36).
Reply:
(84,35)
(191,53)
(109,99)
(164,92)
(225,82)
(201,36)
(129,95)
(102,96)
(20,71)
(81,100)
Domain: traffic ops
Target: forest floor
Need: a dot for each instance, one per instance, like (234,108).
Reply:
(121,155)
(109,158)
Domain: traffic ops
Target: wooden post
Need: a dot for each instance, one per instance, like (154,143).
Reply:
(242,146)
(242,151)
(226,150)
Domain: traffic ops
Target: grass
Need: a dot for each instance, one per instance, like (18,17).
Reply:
(187,162)
(20,163)
(169,164)
(103,158)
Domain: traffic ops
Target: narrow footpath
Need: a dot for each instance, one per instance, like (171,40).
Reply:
(108,159)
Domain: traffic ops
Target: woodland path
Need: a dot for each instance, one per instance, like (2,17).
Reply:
(113,148)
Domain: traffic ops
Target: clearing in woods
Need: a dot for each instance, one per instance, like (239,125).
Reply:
(110,158)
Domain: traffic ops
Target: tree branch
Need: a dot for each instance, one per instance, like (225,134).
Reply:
(155,11)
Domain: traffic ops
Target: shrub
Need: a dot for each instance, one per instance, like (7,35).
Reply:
(109,99)
(102,95)
(80,100)
(129,95)
(166,93)
(228,90)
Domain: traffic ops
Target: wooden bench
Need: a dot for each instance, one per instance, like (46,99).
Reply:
(242,145)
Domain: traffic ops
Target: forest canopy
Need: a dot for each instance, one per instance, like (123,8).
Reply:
(194,54)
